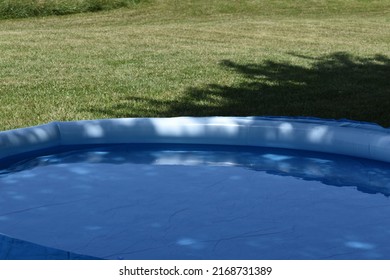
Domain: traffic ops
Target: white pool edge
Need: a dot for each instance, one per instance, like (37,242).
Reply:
(362,140)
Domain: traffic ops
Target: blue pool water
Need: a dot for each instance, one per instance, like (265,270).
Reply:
(198,202)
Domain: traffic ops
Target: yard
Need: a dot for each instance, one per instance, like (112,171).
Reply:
(162,58)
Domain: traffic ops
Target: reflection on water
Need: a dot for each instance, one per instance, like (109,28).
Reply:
(199,202)
(334,170)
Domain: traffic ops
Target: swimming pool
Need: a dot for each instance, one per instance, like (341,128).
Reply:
(197,188)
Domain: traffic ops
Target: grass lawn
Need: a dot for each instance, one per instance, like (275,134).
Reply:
(162,58)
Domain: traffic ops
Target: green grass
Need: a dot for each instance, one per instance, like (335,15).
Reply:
(161,58)
(30,8)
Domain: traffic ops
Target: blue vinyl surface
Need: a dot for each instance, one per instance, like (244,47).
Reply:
(198,202)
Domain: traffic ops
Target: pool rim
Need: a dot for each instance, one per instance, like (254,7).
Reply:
(341,137)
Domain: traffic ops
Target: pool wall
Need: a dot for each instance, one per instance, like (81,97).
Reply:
(16,249)
(365,140)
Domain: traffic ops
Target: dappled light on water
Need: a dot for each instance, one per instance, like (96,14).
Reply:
(199,202)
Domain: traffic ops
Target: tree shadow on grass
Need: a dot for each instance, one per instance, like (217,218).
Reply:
(339,86)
